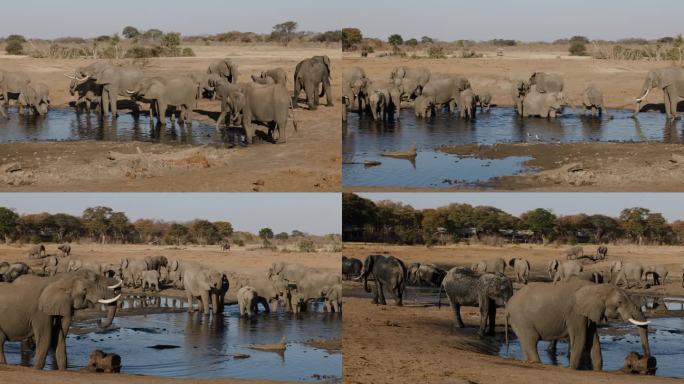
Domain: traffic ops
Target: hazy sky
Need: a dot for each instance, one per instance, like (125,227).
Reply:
(671,205)
(528,20)
(316,213)
(88,18)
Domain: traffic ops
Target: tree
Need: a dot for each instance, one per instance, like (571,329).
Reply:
(148,230)
(580,39)
(96,221)
(395,40)
(66,226)
(19,38)
(14,47)
(266,233)
(177,233)
(540,221)
(130,32)
(426,40)
(577,48)
(171,39)
(119,226)
(297,233)
(8,223)
(678,42)
(153,34)
(411,42)
(282,236)
(633,221)
(203,231)
(224,229)
(350,37)
(284,31)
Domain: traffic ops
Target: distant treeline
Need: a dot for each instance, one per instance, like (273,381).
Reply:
(104,225)
(393,222)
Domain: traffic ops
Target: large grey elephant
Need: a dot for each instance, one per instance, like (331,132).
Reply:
(573,309)
(592,99)
(657,272)
(87,93)
(114,81)
(548,104)
(36,252)
(11,85)
(309,75)
(64,249)
(14,270)
(225,68)
(179,92)
(131,272)
(464,286)
(176,270)
(35,97)
(423,107)
(420,75)
(424,275)
(547,82)
(387,272)
(351,267)
(467,100)
(519,89)
(671,81)
(621,271)
(200,282)
(353,84)
(497,265)
(271,76)
(156,262)
(42,308)
(521,268)
(562,271)
(310,287)
(446,91)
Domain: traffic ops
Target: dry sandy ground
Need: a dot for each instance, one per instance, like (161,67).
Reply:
(309,161)
(620,82)
(239,260)
(416,344)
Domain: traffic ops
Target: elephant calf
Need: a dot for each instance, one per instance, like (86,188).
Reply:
(150,279)
(247,298)
(576,252)
(592,99)
(497,265)
(351,267)
(65,249)
(658,274)
(36,252)
(271,76)
(179,92)
(104,362)
(521,267)
(558,271)
(35,97)
(423,107)
(14,270)
(485,101)
(467,102)
(536,103)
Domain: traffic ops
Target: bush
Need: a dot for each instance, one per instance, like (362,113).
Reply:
(307,246)
(188,52)
(578,48)
(436,52)
(239,243)
(14,47)
(504,42)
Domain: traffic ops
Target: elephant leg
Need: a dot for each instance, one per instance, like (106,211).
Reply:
(190,301)
(327,88)
(113,96)
(593,110)
(673,105)
(295,95)
(42,347)
(668,106)
(249,129)
(577,339)
(162,113)
(205,303)
(458,321)
(60,349)
(381,294)
(528,345)
(398,299)
(215,303)
(596,357)
(104,103)
(3,338)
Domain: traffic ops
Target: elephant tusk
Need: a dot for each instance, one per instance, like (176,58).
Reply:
(358,278)
(130,92)
(109,301)
(638,100)
(117,285)
(638,323)
(70,77)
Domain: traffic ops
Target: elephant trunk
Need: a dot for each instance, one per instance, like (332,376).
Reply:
(645,89)
(643,335)
(365,283)
(111,312)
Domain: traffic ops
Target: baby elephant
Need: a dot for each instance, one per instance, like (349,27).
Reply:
(637,364)
(467,104)
(658,273)
(35,97)
(592,99)
(37,252)
(104,362)
(65,249)
(378,101)
(247,298)
(521,268)
(485,101)
(423,106)
(150,280)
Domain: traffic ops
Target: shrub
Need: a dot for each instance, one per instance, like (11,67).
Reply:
(578,48)
(504,42)
(14,47)
(469,54)
(411,42)
(395,40)
(307,246)
(240,243)
(188,52)
(436,52)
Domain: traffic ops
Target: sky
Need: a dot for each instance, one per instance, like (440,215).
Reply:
(315,213)
(527,20)
(671,205)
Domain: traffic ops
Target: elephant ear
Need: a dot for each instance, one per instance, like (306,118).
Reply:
(664,79)
(105,77)
(511,262)
(326,61)
(174,265)
(55,299)
(590,301)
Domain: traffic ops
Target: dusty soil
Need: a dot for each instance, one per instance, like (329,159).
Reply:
(309,161)
(415,343)
(606,166)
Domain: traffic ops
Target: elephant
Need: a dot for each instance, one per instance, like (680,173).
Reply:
(621,271)
(601,252)
(12,84)
(218,295)
(671,81)
(446,92)
(390,94)
(37,252)
(35,97)
(424,275)
(519,89)
(267,104)
(387,271)
(464,286)
(547,82)
(594,277)
(150,279)
(175,271)
(351,267)
(573,309)
(53,265)
(4,266)
(423,107)
(485,101)
(307,286)
(409,88)
(592,99)
(180,92)
(576,252)
(333,297)
(156,262)
(43,308)
(65,249)
(378,101)
(225,68)
(497,265)
(247,301)
(521,267)
(201,282)
(548,104)
(309,75)
(421,75)
(353,84)
(658,273)
(225,246)
(80,265)
(114,81)
(270,291)
(99,361)
(559,272)
(468,104)
(131,272)
(14,270)
(271,76)
(88,92)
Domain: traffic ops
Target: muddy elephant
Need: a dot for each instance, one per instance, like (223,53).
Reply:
(43,308)
(271,76)
(464,286)
(537,104)
(418,76)
(333,297)
(309,75)
(592,99)
(36,252)
(497,265)
(247,298)
(446,91)
(467,102)
(113,81)
(353,84)
(87,93)
(423,107)
(387,272)
(99,361)
(64,249)
(671,81)
(351,267)
(519,89)
(657,272)
(621,271)
(11,85)
(424,275)
(521,268)
(576,252)
(547,82)
(200,282)
(562,271)
(150,280)
(35,97)
(14,270)
(156,262)
(484,99)
(542,311)
(179,92)
(225,68)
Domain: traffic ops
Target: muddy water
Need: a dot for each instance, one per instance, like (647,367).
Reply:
(193,346)
(64,124)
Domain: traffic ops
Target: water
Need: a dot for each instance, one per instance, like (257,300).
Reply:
(206,345)
(64,124)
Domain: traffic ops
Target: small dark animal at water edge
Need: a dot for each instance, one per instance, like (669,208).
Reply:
(104,362)
(641,365)
(163,346)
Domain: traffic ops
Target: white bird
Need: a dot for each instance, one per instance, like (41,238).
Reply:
(536,137)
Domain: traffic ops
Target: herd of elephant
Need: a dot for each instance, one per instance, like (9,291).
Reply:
(38,303)
(570,307)
(540,95)
(264,100)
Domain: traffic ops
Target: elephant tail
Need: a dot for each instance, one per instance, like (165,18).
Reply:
(439,296)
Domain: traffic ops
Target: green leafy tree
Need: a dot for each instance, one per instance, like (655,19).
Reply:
(171,39)
(633,221)
(282,236)
(153,34)
(351,37)
(203,231)
(130,32)
(177,233)
(120,226)
(96,222)
(66,226)
(395,40)
(297,233)
(266,233)
(284,31)
(540,221)
(8,223)
(224,229)
(411,42)
(426,40)
(577,48)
